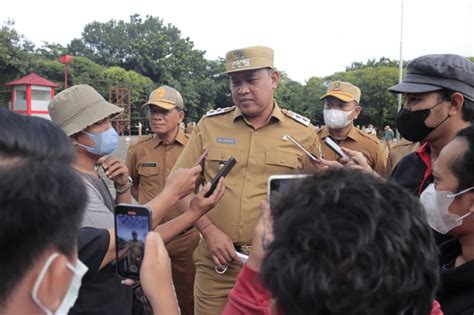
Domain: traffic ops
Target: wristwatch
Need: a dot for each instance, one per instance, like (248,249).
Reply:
(124,188)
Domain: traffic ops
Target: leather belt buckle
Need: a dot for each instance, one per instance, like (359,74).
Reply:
(243,248)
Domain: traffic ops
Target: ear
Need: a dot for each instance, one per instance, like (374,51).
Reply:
(55,283)
(357,111)
(457,102)
(74,139)
(180,116)
(275,76)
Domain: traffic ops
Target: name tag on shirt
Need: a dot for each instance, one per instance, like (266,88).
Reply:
(226,140)
(149,164)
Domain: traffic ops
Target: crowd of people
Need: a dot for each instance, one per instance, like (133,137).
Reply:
(353,237)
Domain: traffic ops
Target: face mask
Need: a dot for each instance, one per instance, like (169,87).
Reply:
(105,142)
(411,124)
(72,292)
(336,119)
(436,204)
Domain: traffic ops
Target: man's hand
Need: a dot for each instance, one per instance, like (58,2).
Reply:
(201,204)
(220,245)
(358,161)
(115,169)
(155,276)
(323,164)
(182,181)
(262,237)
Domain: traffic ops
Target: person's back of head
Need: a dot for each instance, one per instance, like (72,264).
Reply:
(41,201)
(348,243)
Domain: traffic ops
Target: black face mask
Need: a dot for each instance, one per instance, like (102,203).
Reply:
(411,124)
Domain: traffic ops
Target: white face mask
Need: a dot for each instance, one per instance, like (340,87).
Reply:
(436,204)
(73,290)
(336,119)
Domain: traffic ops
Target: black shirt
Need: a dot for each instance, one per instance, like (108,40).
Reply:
(101,291)
(456,293)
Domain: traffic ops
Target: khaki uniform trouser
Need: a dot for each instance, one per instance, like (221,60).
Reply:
(210,288)
(181,251)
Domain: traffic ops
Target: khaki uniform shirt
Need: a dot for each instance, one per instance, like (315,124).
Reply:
(259,154)
(149,161)
(359,141)
(398,151)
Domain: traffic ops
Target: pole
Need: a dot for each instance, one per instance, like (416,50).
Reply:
(65,76)
(400,66)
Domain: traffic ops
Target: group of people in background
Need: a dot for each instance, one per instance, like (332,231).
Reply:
(354,237)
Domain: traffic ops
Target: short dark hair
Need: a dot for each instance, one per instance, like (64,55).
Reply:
(467,107)
(42,198)
(463,165)
(348,243)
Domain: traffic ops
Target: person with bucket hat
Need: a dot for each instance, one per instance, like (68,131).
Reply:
(84,115)
(439,102)
(150,160)
(341,108)
(254,132)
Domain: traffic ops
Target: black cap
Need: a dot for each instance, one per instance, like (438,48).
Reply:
(435,72)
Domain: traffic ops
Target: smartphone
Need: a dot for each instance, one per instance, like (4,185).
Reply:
(229,164)
(132,224)
(311,156)
(202,156)
(336,148)
(279,183)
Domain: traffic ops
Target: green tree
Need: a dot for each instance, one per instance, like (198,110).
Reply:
(155,50)
(379,106)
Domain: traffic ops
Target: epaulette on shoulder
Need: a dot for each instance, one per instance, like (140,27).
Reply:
(368,136)
(299,118)
(219,111)
(141,140)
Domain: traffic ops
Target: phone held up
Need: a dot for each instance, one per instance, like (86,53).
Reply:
(279,183)
(229,164)
(336,148)
(132,224)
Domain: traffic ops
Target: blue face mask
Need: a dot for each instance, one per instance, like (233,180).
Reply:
(105,142)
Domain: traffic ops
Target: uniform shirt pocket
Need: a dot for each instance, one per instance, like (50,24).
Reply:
(216,158)
(281,162)
(148,171)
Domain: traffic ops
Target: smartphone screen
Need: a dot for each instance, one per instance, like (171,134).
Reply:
(279,183)
(132,224)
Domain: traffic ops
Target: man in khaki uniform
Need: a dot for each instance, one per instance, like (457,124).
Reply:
(398,151)
(150,160)
(252,132)
(341,107)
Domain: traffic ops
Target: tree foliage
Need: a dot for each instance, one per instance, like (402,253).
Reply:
(153,49)
(143,53)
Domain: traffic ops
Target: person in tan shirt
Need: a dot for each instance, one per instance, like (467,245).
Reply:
(253,133)
(150,160)
(341,108)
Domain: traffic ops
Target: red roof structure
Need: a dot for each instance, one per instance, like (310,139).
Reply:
(33,79)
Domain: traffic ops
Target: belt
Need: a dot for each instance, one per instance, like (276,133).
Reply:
(187,230)
(243,248)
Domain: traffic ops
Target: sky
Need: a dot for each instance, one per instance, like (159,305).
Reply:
(309,37)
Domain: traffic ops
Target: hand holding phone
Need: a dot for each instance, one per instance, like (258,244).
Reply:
(336,148)
(132,223)
(222,173)
(311,156)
